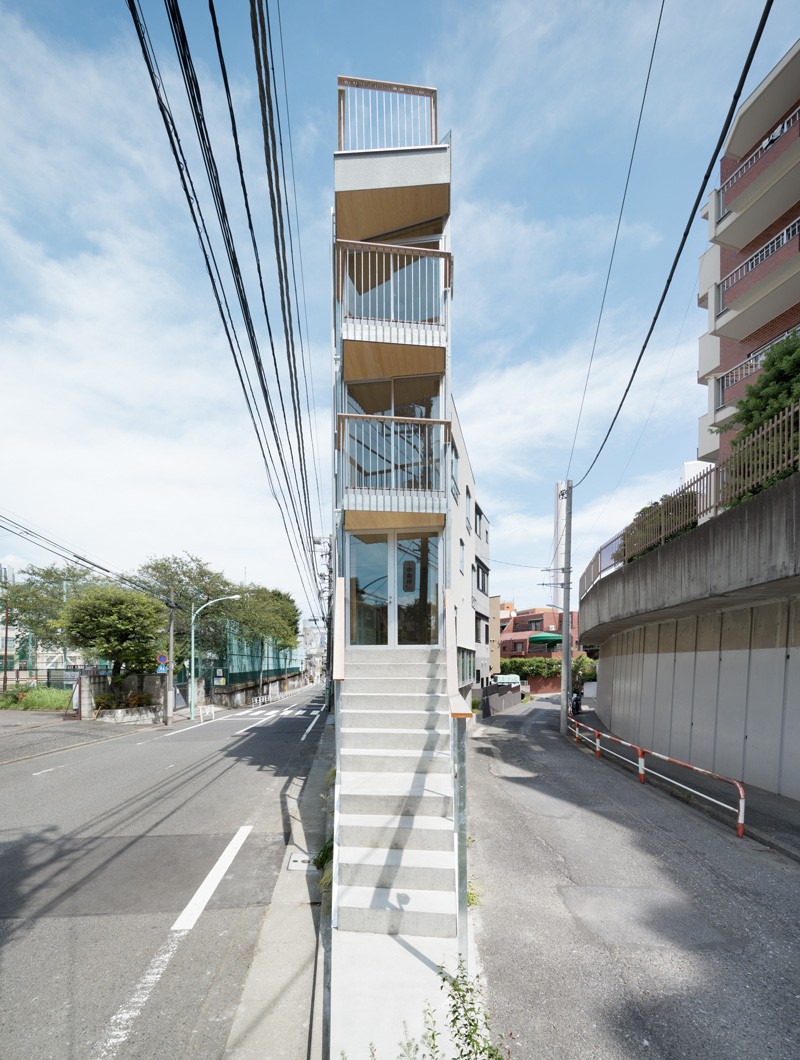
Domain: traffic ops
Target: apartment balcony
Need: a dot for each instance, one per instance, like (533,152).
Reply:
(763,287)
(390,173)
(707,440)
(393,294)
(391,464)
(762,188)
(708,357)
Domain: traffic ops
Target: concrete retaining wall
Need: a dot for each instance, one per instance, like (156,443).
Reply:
(497,698)
(719,690)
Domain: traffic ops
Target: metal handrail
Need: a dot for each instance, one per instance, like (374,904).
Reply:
(751,364)
(643,753)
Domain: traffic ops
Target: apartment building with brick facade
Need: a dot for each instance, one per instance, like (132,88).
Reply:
(750,275)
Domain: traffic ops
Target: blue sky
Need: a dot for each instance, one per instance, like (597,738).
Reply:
(124,430)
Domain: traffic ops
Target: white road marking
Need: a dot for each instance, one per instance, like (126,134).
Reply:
(122,1023)
(189,916)
(41,771)
(308,730)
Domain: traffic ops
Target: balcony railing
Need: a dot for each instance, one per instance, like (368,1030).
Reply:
(752,159)
(756,462)
(392,293)
(748,367)
(392,463)
(380,115)
(760,256)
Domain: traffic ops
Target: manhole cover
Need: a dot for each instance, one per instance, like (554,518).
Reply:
(301,863)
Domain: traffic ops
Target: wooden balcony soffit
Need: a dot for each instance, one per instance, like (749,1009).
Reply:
(389,360)
(362,215)
(355,520)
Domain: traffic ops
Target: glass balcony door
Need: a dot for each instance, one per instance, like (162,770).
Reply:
(393,588)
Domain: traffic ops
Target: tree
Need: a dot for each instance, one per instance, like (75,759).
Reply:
(268,614)
(777,387)
(113,623)
(188,580)
(38,600)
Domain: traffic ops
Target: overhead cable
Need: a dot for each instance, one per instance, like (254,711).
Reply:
(706,177)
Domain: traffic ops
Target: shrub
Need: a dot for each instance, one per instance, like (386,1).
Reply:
(105,701)
(25,698)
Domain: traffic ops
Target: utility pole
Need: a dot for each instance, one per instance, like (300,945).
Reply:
(566,617)
(5,655)
(169,705)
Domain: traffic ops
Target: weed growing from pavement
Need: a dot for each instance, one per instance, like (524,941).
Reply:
(474,893)
(467,1021)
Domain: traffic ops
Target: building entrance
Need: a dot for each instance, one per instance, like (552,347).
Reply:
(393,583)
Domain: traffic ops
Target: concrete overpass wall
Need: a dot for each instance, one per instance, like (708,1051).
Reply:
(705,664)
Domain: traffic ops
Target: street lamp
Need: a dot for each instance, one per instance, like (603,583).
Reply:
(195,613)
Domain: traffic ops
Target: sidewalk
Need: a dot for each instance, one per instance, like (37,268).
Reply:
(771,819)
(281,1012)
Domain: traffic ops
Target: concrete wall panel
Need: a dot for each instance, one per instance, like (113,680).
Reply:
(762,753)
(790,750)
(704,709)
(683,689)
(647,715)
(733,685)
(665,674)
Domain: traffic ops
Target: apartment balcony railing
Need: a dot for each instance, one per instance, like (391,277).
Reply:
(392,463)
(730,184)
(761,255)
(748,367)
(756,462)
(380,115)
(393,294)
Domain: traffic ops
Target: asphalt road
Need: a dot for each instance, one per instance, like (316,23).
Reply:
(110,945)
(617,922)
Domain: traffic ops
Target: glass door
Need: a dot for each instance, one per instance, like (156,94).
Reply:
(393,581)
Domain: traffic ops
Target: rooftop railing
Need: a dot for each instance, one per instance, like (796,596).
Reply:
(380,115)
(760,256)
(756,462)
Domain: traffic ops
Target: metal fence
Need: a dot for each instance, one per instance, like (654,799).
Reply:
(757,461)
(728,282)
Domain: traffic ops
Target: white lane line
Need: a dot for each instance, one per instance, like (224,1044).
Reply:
(189,916)
(122,1023)
(41,771)
(311,726)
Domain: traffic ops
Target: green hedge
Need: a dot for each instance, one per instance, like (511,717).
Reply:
(541,666)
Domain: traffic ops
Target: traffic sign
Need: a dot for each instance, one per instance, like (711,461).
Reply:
(162,660)
(161,669)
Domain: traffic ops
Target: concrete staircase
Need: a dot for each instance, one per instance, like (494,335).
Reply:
(396,858)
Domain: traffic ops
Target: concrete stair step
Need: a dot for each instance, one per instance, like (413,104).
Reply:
(403,682)
(394,700)
(380,830)
(397,912)
(395,739)
(421,870)
(367,718)
(394,760)
(396,794)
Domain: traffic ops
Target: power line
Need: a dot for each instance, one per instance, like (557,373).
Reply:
(616,236)
(292,527)
(726,126)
